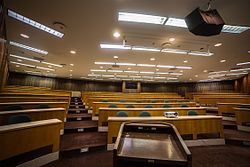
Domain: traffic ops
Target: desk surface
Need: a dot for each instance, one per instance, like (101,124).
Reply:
(245,109)
(159,146)
(134,103)
(162,118)
(19,126)
(27,103)
(32,110)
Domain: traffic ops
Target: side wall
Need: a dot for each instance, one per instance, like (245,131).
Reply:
(243,84)
(3,49)
(66,84)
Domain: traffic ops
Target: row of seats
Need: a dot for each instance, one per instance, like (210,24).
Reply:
(147,114)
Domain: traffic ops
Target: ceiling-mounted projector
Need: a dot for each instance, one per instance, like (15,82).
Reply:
(204,23)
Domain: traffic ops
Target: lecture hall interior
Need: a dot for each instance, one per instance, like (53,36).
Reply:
(125,83)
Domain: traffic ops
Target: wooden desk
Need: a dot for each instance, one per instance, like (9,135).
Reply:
(185,124)
(33,105)
(227,108)
(97,105)
(32,99)
(21,138)
(242,116)
(104,113)
(35,114)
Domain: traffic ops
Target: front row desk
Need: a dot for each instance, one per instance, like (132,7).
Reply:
(30,144)
(104,113)
(154,145)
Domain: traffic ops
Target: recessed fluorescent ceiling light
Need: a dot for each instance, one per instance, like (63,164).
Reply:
(44,68)
(108,76)
(35,72)
(241,69)
(162,73)
(141,18)
(217,72)
(165,66)
(183,67)
(94,75)
(176,22)
(24,58)
(24,36)
(57,65)
(146,65)
(196,53)
(176,73)
(150,77)
(22,64)
(218,44)
(92,70)
(28,48)
(112,46)
(177,51)
(115,71)
(172,78)
(160,77)
(34,23)
(131,71)
(107,63)
(244,63)
(146,72)
(145,49)
(125,64)
(234,29)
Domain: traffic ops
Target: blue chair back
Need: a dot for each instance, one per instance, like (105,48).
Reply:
(153,101)
(122,114)
(43,106)
(112,106)
(184,105)
(166,106)
(144,114)
(19,119)
(130,106)
(148,106)
(123,101)
(13,107)
(105,101)
(192,113)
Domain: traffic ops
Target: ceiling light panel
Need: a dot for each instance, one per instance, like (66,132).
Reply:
(115,71)
(45,68)
(141,18)
(93,70)
(241,69)
(56,65)
(145,49)
(175,73)
(113,46)
(165,66)
(105,63)
(196,53)
(28,48)
(24,58)
(125,64)
(34,23)
(131,71)
(184,67)
(22,64)
(177,51)
(162,73)
(176,22)
(234,29)
(244,63)
(108,76)
(94,75)
(146,65)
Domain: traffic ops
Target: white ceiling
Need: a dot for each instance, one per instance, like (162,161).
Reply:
(91,22)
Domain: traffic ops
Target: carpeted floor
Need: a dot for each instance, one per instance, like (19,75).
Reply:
(207,156)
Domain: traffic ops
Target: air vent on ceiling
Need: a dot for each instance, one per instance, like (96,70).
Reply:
(59,26)
(63,64)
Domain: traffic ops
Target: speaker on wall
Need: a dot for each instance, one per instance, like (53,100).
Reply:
(204,23)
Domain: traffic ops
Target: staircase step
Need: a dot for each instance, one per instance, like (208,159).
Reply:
(76,105)
(79,117)
(229,124)
(237,137)
(83,141)
(77,110)
(80,126)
